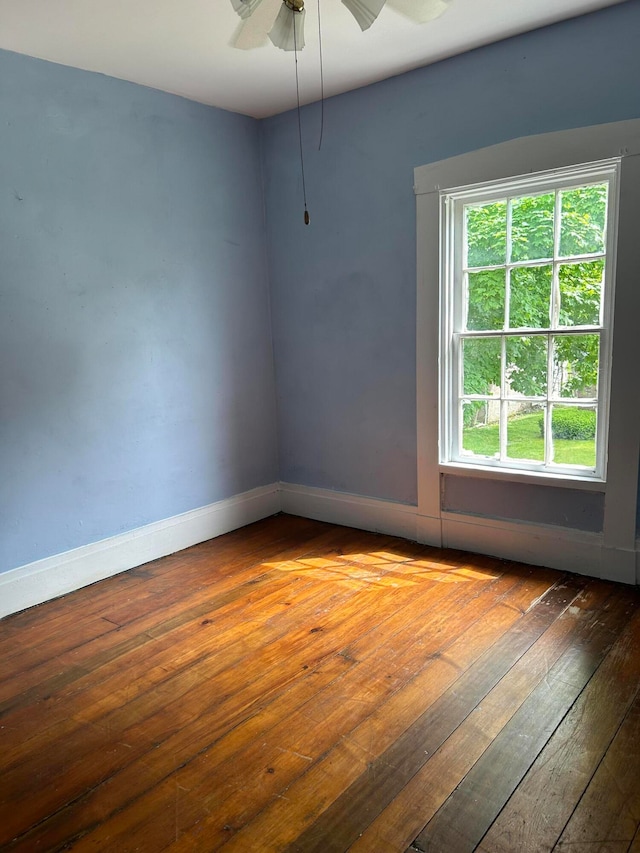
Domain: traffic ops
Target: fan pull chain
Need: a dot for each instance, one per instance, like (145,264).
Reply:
(304,186)
(321,80)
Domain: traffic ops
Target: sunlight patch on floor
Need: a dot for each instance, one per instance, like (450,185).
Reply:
(381,569)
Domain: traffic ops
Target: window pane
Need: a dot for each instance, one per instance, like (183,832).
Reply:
(574,435)
(486,292)
(530,297)
(580,293)
(532,227)
(526,366)
(481,366)
(525,303)
(575,365)
(583,217)
(481,428)
(486,234)
(525,432)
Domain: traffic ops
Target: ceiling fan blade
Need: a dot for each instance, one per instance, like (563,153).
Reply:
(245,8)
(252,32)
(420,11)
(364,11)
(287,33)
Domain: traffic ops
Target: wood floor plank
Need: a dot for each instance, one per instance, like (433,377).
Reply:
(141,731)
(398,825)
(362,615)
(107,797)
(135,680)
(183,614)
(110,657)
(160,603)
(340,825)
(109,714)
(540,807)
(299,686)
(280,823)
(610,807)
(192,576)
(328,720)
(471,809)
(147,578)
(386,765)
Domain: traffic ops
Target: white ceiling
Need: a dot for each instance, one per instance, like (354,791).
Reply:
(183,46)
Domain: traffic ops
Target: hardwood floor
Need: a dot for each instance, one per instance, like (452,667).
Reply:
(296,686)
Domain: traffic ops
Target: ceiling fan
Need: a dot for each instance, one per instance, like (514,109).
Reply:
(282,21)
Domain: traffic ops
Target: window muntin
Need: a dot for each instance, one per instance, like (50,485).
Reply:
(526,310)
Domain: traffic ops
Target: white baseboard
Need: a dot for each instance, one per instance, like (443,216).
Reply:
(429,530)
(54,576)
(372,514)
(543,545)
(618,564)
(540,545)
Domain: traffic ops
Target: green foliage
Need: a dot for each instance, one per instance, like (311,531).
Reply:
(487,234)
(571,423)
(584,212)
(583,215)
(576,363)
(532,227)
(530,298)
(527,365)
(481,359)
(525,442)
(485,305)
(580,293)
(473,413)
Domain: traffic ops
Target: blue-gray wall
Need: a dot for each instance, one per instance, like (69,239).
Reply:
(136,376)
(136,371)
(343,289)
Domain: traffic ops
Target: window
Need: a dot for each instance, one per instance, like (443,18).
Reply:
(479,177)
(526,310)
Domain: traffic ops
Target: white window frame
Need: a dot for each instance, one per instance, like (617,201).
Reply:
(452,204)
(611,553)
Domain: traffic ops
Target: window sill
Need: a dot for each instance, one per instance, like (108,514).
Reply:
(566,481)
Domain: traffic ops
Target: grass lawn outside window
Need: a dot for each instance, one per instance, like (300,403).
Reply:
(525,441)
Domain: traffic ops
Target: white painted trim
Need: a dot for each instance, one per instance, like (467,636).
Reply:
(556,547)
(618,563)
(372,514)
(54,576)
(427,354)
(620,508)
(454,333)
(429,530)
(614,554)
(486,472)
(539,153)
(538,544)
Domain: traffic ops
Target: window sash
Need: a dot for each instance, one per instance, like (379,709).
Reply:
(453,310)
